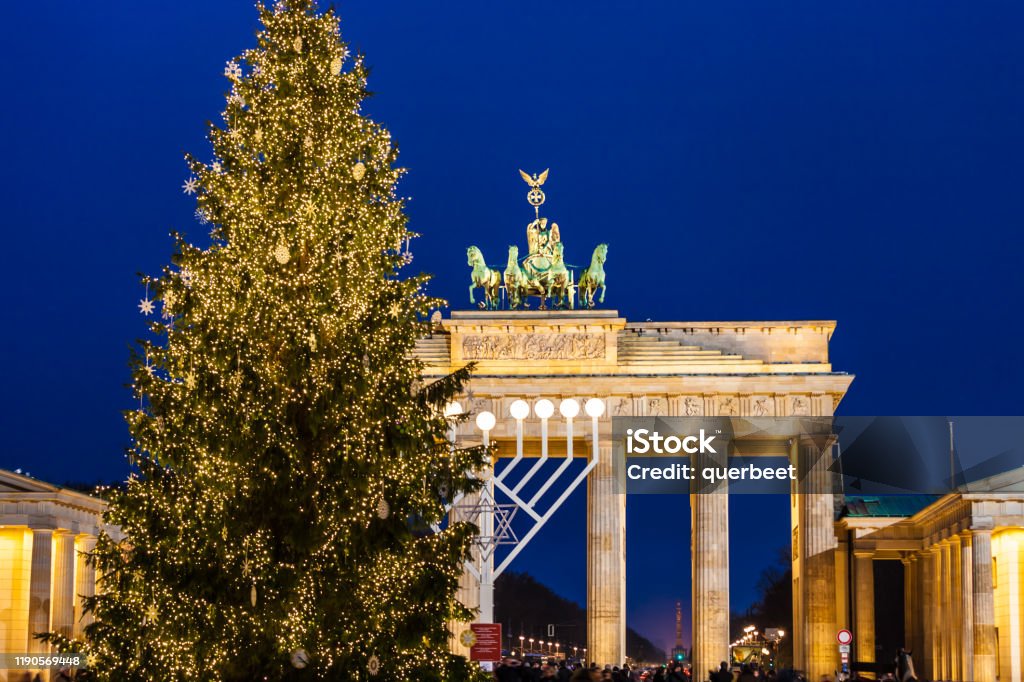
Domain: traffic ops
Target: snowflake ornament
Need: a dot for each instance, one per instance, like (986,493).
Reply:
(186,277)
(233,71)
(406,258)
(170,300)
(146,306)
(201,216)
(216,167)
(190,186)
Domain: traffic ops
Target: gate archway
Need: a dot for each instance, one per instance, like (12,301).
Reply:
(685,369)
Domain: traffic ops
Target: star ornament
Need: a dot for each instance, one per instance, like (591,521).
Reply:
(190,186)
(146,306)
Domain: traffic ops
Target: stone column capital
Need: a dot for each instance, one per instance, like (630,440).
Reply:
(861,553)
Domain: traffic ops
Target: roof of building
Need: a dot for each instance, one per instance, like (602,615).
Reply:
(886,505)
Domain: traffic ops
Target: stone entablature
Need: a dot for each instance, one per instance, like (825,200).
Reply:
(602,342)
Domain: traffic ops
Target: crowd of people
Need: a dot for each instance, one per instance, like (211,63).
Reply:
(514,670)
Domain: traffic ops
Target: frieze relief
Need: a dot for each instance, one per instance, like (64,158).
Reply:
(533,346)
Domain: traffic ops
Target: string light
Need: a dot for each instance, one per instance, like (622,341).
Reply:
(275,418)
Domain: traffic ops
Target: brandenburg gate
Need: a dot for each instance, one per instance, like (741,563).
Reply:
(544,357)
(686,369)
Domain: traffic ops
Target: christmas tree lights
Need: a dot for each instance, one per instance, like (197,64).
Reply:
(287,453)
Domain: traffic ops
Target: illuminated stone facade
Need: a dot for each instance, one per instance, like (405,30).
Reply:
(963,578)
(43,575)
(651,369)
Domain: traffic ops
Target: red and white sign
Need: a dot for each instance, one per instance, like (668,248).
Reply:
(844,637)
(487,646)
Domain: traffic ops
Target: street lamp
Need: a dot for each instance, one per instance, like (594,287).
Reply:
(531,645)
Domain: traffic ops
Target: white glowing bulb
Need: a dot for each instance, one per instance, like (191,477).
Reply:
(544,408)
(569,408)
(594,407)
(485,421)
(453,408)
(520,409)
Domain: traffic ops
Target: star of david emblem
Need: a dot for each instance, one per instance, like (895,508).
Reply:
(503,514)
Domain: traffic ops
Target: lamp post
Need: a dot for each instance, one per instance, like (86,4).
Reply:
(485,421)
(531,645)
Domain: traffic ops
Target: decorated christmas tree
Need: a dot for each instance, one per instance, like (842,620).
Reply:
(291,467)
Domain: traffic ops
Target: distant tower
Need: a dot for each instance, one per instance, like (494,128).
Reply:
(679,624)
(679,651)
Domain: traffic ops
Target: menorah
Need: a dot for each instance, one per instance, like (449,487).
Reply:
(494,518)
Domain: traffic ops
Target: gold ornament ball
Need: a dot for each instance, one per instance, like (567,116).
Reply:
(282,254)
(359,170)
(383,509)
(336,66)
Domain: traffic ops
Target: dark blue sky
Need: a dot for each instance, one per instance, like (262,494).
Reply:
(851,161)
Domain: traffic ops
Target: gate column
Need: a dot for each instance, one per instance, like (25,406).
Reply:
(709,558)
(606,563)
(814,612)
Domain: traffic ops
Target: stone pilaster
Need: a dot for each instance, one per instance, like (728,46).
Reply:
(943,619)
(468,593)
(955,590)
(931,612)
(62,612)
(39,588)
(85,581)
(864,605)
(709,558)
(909,621)
(984,606)
(606,563)
(967,605)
